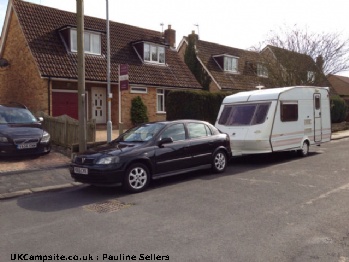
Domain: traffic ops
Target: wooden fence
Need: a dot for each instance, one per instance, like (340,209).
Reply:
(64,130)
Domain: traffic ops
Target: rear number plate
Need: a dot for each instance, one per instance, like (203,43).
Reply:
(81,170)
(27,145)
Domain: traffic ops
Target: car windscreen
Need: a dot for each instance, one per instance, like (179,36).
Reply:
(141,133)
(244,114)
(16,116)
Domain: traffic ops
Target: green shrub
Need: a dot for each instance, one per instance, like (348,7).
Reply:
(338,109)
(139,111)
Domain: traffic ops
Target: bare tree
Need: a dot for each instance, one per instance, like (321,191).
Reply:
(329,50)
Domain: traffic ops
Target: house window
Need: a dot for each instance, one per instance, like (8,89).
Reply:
(138,90)
(230,64)
(311,76)
(154,53)
(92,42)
(160,100)
(289,111)
(262,70)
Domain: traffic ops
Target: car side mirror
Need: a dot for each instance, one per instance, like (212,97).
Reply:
(41,119)
(165,140)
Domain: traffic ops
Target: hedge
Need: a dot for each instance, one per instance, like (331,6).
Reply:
(200,105)
(338,109)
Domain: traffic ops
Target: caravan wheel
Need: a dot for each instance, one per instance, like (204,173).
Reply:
(305,149)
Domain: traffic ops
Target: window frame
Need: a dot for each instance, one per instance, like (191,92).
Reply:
(290,115)
(160,97)
(311,76)
(138,90)
(262,70)
(226,64)
(155,54)
(92,36)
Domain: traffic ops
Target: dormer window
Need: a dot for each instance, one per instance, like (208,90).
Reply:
(227,63)
(311,76)
(231,64)
(92,42)
(150,52)
(154,53)
(262,70)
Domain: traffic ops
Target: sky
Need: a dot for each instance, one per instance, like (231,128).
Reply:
(235,23)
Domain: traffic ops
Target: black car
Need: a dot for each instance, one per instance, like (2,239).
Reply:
(21,133)
(151,151)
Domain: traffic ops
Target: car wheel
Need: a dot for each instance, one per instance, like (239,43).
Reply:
(136,178)
(304,151)
(219,162)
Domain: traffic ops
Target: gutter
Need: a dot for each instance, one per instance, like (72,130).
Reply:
(49,95)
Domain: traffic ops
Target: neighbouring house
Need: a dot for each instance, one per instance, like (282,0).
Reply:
(287,68)
(340,84)
(233,69)
(38,64)
(228,68)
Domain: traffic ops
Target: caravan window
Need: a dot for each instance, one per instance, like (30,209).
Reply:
(261,114)
(242,115)
(317,102)
(289,111)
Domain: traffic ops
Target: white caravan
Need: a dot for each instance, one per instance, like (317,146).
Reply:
(276,119)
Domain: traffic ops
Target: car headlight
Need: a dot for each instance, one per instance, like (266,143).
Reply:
(3,139)
(45,137)
(108,160)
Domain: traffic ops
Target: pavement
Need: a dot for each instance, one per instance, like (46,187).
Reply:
(23,176)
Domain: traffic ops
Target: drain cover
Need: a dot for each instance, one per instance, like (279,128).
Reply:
(107,206)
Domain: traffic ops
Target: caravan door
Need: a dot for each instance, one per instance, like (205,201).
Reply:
(317,118)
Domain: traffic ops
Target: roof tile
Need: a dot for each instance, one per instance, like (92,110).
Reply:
(245,79)
(41,26)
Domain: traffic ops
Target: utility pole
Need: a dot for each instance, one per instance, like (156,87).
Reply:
(81,75)
(109,123)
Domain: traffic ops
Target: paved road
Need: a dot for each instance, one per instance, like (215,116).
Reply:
(36,174)
(264,208)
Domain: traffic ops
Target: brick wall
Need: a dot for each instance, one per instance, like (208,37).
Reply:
(148,99)
(20,81)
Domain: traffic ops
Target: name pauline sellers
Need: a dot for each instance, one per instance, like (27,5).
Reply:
(105,257)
